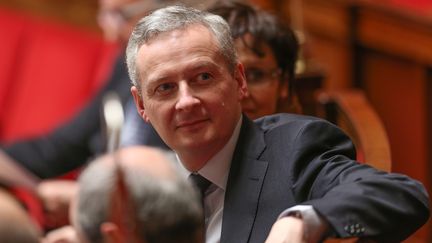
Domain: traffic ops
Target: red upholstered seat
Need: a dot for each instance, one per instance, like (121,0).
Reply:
(48,71)
(11,32)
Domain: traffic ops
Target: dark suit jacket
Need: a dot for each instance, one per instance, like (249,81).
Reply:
(285,160)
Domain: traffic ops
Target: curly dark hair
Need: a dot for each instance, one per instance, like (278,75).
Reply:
(265,28)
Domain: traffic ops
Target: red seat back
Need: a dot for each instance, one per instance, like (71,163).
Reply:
(50,70)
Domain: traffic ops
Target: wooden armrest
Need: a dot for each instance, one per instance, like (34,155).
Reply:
(350,110)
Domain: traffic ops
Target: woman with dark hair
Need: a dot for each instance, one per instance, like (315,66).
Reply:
(268,49)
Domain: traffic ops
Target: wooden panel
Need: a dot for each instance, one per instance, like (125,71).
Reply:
(268,5)
(397,83)
(327,19)
(335,60)
(397,89)
(385,50)
(402,38)
(78,12)
(328,41)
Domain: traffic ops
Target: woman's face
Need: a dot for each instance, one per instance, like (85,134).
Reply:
(263,79)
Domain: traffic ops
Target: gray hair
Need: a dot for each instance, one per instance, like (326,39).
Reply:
(96,184)
(167,210)
(173,18)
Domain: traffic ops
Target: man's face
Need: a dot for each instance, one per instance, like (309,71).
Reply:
(188,92)
(263,77)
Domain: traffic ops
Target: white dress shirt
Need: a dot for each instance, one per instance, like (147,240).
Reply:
(216,170)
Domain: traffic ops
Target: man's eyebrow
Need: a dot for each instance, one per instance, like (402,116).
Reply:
(155,82)
(159,78)
(155,78)
(203,64)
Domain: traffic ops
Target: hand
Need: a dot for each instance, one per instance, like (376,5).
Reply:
(65,234)
(56,196)
(287,230)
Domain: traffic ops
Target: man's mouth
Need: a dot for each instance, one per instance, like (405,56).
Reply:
(190,124)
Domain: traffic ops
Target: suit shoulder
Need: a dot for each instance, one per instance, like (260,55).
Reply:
(282,120)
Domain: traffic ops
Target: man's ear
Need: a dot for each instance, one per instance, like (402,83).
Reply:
(139,103)
(240,77)
(111,233)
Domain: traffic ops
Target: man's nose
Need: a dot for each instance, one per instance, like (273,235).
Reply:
(186,100)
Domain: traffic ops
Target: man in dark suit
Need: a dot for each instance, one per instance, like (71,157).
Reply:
(267,49)
(285,178)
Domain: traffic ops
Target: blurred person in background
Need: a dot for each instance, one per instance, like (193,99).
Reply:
(78,140)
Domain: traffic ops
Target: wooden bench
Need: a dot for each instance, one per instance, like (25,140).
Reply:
(350,110)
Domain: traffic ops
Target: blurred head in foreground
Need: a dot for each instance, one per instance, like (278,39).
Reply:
(136,195)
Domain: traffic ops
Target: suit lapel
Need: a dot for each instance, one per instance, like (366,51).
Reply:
(244,185)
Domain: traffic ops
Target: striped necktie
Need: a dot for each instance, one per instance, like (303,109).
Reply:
(201,184)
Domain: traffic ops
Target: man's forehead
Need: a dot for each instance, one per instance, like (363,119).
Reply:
(189,41)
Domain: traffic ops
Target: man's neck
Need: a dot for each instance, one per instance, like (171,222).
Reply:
(195,159)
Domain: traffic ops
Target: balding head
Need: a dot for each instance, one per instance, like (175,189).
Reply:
(151,197)
(155,162)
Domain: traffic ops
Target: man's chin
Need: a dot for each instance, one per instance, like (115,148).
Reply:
(196,141)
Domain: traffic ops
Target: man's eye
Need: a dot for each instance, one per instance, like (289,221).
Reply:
(165,88)
(203,77)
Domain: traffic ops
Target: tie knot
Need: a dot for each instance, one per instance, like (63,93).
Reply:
(200,182)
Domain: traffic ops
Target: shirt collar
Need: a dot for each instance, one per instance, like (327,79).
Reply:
(216,169)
